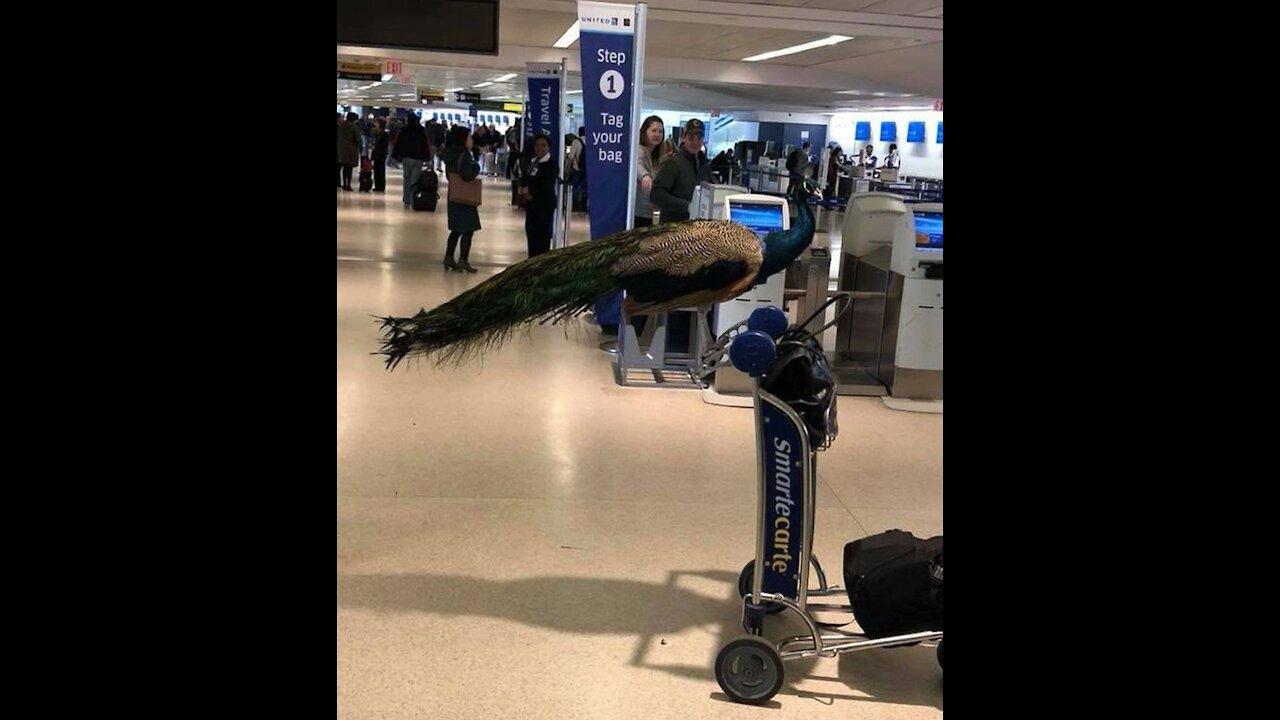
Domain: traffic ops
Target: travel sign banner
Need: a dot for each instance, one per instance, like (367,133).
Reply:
(607,43)
(544,105)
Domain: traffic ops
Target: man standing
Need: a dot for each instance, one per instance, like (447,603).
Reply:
(513,147)
(797,161)
(575,164)
(437,138)
(412,148)
(680,175)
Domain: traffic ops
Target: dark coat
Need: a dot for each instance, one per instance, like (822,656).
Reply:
(412,144)
(349,143)
(541,181)
(462,218)
(673,187)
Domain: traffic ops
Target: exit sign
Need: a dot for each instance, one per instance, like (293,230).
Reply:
(393,67)
(937,106)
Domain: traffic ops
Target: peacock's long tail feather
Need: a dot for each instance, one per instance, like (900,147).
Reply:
(553,286)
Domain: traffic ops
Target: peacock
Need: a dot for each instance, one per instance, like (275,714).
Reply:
(661,268)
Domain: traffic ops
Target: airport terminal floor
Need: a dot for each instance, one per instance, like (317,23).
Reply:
(523,538)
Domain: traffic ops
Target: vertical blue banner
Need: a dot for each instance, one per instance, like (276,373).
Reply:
(544,100)
(607,41)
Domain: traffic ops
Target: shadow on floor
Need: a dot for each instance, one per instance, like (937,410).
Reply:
(591,606)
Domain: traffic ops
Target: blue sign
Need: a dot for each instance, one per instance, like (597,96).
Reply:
(544,112)
(784,487)
(607,41)
(915,132)
(939,132)
(888,131)
(862,131)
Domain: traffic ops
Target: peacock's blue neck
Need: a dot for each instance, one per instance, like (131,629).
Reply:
(781,248)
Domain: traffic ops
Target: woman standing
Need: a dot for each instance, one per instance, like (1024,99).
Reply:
(381,142)
(348,149)
(460,164)
(538,186)
(647,161)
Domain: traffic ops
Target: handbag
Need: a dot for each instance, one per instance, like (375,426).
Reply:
(464,192)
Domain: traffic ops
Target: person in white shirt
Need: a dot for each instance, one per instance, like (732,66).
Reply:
(867,157)
(893,161)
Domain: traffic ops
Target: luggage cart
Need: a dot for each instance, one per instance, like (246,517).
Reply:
(749,669)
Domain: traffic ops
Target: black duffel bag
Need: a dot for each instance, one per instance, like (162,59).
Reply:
(895,583)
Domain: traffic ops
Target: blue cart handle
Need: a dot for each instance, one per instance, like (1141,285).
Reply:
(753,352)
(770,321)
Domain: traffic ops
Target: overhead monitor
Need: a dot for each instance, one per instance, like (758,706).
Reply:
(888,131)
(915,132)
(461,26)
(862,131)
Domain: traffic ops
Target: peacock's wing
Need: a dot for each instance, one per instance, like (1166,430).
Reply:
(689,263)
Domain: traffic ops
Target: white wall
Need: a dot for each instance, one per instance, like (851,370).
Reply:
(732,133)
(672,119)
(783,117)
(798,118)
(922,159)
(675,118)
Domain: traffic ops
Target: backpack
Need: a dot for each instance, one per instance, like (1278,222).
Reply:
(801,377)
(894,581)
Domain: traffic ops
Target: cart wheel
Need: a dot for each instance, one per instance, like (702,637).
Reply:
(939,653)
(744,587)
(749,670)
